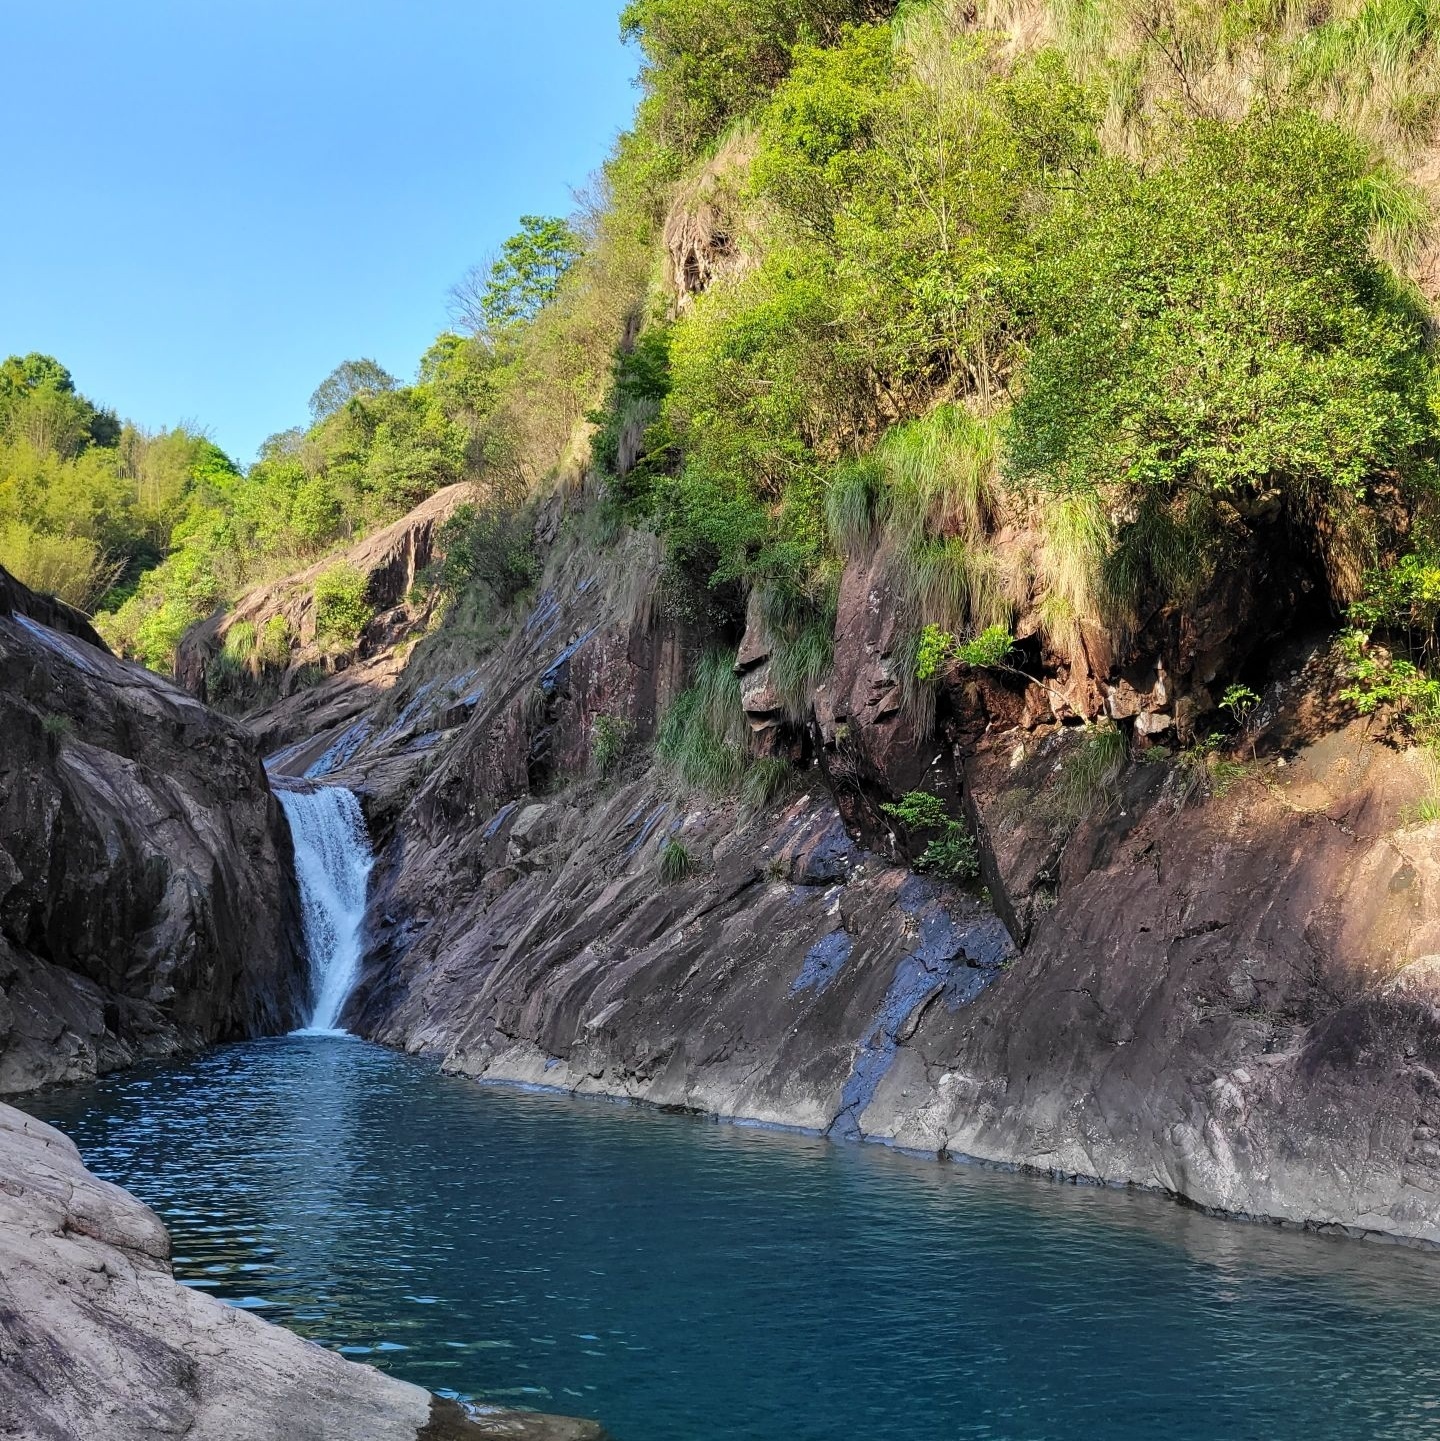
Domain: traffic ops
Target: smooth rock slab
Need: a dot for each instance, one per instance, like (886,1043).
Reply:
(98,1341)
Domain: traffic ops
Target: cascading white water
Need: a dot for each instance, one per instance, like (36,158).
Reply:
(332,862)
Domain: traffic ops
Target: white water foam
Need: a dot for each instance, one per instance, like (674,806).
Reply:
(332,863)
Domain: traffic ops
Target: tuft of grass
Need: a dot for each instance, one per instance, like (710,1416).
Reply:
(1224,774)
(674,862)
(609,736)
(58,729)
(703,738)
(917,696)
(800,620)
(853,502)
(938,578)
(1424,811)
(1075,541)
(1090,771)
(766,781)
(1398,212)
(240,642)
(272,647)
(1162,548)
(942,475)
(799,663)
(534,707)
(954,584)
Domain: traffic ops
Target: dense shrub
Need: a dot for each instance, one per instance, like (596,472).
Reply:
(1214,331)
(342,610)
(490,547)
(707,64)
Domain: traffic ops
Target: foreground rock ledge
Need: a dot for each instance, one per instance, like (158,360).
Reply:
(98,1340)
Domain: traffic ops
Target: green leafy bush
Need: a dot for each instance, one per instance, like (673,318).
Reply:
(1378,678)
(342,610)
(705,65)
(992,647)
(490,548)
(1214,329)
(951,852)
(629,448)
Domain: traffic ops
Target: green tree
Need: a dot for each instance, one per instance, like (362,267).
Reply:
(706,64)
(349,379)
(20,374)
(523,279)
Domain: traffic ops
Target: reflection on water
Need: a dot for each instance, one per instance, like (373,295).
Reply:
(688,1281)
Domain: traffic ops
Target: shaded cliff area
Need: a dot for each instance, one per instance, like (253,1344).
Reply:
(147,895)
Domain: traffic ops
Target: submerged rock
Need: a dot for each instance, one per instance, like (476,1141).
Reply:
(97,1339)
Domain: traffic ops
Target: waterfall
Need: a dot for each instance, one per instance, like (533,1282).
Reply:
(332,863)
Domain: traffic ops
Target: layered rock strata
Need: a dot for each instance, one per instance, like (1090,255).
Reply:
(1215,977)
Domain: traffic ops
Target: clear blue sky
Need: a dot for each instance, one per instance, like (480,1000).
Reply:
(211,203)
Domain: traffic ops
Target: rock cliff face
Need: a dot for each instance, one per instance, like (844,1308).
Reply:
(1219,982)
(1234,1001)
(147,897)
(287,654)
(97,1339)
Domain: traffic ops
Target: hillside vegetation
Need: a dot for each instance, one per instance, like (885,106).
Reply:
(1068,307)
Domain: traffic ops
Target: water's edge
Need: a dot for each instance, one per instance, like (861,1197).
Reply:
(588,1089)
(500,1241)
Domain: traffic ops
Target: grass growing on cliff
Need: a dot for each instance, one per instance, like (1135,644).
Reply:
(853,505)
(1089,773)
(674,862)
(800,661)
(766,781)
(704,736)
(942,475)
(58,729)
(609,738)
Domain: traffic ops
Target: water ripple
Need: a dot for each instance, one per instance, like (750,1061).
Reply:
(686,1281)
